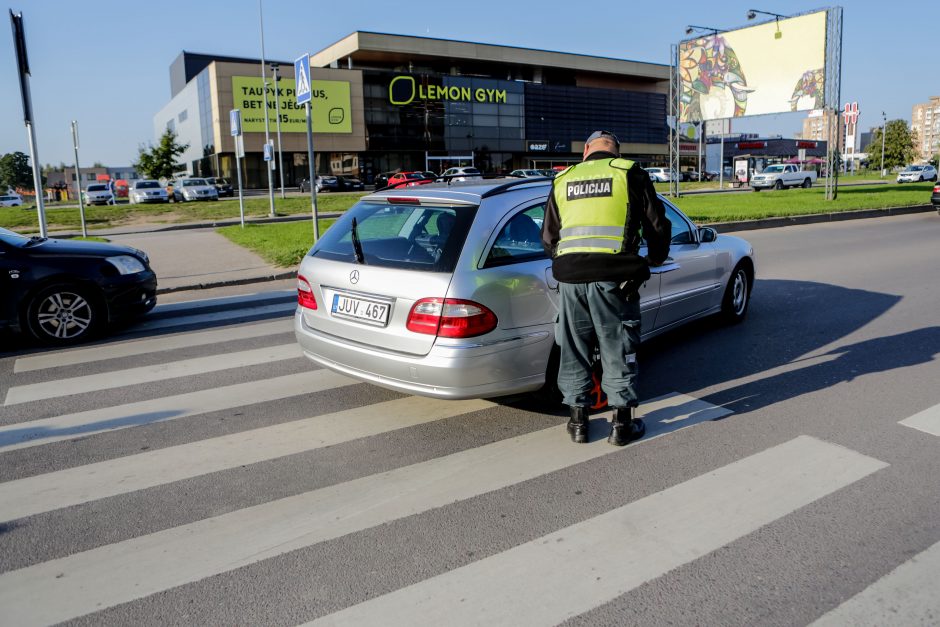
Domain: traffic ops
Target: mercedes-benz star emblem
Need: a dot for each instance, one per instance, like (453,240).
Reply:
(354,277)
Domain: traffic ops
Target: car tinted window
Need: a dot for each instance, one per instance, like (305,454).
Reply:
(147,185)
(413,237)
(97,188)
(520,239)
(774,168)
(194,182)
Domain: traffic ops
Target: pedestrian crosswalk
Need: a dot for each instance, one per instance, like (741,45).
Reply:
(102,464)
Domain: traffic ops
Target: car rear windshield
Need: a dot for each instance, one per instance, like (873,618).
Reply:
(148,185)
(414,237)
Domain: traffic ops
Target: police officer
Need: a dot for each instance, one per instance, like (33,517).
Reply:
(596,216)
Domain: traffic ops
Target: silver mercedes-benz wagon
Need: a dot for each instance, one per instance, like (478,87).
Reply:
(444,290)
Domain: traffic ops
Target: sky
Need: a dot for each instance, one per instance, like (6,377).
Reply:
(106,64)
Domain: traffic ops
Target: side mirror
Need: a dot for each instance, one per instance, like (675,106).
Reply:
(707,234)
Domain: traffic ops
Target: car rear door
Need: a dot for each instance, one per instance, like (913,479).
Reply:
(689,277)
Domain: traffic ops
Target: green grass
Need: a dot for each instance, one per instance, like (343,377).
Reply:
(99,217)
(282,244)
(790,202)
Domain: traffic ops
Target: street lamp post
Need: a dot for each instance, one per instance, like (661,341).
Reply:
(267,134)
(884,131)
(277,113)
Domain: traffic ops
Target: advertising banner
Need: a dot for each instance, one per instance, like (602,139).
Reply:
(774,67)
(330,106)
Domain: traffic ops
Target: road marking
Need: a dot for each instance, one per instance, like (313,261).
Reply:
(927,421)
(43,493)
(142,347)
(219,316)
(908,595)
(227,301)
(148,374)
(611,554)
(68,426)
(93,580)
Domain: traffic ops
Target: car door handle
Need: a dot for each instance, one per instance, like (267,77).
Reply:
(667,266)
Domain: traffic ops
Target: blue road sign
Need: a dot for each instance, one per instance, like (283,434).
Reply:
(302,79)
(235,121)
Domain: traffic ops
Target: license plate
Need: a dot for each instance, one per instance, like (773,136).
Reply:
(360,309)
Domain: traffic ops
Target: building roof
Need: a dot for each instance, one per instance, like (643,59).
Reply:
(365,47)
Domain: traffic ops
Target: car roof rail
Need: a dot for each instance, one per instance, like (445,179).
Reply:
(505,187)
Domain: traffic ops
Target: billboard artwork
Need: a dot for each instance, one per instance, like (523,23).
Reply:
(774,67)
(330,106)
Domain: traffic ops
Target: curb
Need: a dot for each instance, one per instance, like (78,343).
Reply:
(814,218)
(279,276)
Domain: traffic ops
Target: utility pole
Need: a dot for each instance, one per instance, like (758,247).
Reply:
(884,131)
(277,113)
(78,177)
(267,134)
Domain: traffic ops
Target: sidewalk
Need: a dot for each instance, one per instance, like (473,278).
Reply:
(200,258)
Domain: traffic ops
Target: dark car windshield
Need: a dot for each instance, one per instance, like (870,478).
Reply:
(193,182)
(97,188)
(148,185)
(414,237)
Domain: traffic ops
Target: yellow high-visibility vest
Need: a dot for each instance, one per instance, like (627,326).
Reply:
(592,203)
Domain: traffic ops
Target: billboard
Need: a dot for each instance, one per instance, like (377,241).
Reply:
(330,106)
(775,67)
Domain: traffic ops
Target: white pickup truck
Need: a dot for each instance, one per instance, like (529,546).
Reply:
(782,175)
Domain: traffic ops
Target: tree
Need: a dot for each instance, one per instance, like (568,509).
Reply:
(15,171)
(900,145)
(160,161)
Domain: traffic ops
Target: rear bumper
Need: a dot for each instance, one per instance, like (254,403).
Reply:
(483,370)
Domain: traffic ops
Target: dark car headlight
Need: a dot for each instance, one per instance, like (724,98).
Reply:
(126,264)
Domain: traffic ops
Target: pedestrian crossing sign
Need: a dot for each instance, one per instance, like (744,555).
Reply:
(302,79)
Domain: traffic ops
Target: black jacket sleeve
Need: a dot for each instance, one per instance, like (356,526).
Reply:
(551,225)
(657,230)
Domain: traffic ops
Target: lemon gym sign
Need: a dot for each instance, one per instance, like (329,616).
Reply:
(330,109)
(403,90)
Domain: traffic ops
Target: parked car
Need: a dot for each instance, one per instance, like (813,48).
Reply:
(447,292)
(661,175)
(782,175)
(527,173)
(223,187)
(917,173)
(429,175)
(191,189)
(11,200)
(98,194)
(461,174)
(381,180)
(408,179)
(935,198)
(349,184)
(65,291)
(146,190)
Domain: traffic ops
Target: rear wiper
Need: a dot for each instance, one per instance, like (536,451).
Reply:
(357,245)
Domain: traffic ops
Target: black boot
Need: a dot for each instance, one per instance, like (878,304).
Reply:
(625,428)
(578,425)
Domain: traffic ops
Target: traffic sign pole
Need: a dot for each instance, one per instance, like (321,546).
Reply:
(235,118)
(304,96)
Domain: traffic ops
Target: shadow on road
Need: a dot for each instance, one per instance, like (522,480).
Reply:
(787,320)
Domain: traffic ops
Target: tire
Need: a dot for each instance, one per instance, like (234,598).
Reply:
(920,180)
(807,183)
(63,314)
(778,185)
(756,189)
(549,395)
(737,296)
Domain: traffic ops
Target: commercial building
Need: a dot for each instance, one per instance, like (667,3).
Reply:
(390,102)
(763,151)
(925,122)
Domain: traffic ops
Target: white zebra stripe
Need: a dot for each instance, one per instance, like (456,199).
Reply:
(927,421)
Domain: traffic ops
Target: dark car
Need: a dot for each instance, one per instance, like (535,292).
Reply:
(222,186)
(935,198)
(381,180)
(349,184)
(64,291)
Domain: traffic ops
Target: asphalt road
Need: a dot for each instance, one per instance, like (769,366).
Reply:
(196,470)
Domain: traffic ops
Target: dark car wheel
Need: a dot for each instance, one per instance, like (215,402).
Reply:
(807,183)
(778,185)
(738,293)
(64,314)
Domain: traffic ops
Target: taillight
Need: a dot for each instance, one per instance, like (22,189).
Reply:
(305,297)
(936,189)
(450,317)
